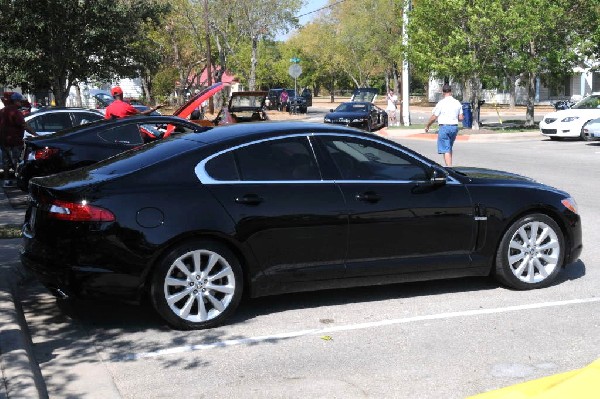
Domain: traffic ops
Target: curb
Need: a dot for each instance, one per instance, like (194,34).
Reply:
(20,372)
(410,134)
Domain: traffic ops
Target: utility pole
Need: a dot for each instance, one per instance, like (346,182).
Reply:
(405,77)
(211,105)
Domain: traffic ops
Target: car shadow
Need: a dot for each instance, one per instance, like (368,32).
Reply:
(108,315)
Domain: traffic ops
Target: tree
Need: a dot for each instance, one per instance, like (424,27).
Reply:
(484,40)
(261,19)
(63,42)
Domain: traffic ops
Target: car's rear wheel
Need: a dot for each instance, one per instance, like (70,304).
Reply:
(531,253)
(197,285)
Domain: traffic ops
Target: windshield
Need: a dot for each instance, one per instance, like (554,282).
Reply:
(247,101)
(351,107)
(591,102)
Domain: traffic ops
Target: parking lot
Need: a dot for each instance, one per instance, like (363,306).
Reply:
(444,339)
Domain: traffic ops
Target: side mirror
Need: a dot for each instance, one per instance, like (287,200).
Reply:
(438,177)
(331,110)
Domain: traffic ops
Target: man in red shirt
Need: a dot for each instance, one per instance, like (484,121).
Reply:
(12,130)
(121,109)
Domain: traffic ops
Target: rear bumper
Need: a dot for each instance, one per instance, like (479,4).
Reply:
(65,279)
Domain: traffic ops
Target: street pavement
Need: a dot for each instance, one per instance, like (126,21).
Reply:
(21,376)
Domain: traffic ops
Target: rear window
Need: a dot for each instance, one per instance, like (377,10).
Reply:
(143,156)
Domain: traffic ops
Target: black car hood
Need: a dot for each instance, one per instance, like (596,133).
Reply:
(481,174)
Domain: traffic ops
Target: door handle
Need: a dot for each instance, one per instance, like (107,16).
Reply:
(249,199)
(369,196)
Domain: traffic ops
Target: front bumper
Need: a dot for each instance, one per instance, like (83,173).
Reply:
(560,129)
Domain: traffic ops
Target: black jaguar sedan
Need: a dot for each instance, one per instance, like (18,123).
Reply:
(195,220)
(87,144)
(361,114)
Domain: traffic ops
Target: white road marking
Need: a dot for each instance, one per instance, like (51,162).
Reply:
(348,327)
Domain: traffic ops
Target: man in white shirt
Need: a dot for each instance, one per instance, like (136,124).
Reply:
(392,100)
(448,112)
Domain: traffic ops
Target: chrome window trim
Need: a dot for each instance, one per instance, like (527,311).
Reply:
(204,178)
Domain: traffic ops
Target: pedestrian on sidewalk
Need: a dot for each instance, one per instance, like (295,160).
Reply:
(392,101)
(448,112)
(12,130)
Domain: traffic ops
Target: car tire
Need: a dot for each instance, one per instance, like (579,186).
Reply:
(584,136)
(531,253)
(197,285)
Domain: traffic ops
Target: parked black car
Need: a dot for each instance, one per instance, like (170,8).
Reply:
(196,219)
(300,103)
(87,144)
(50,120)
(361,114)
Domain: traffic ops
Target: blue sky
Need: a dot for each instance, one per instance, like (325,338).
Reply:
(310,5)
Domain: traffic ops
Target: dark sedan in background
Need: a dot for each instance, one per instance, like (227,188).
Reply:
(361,114)
(193,221)
(87,144)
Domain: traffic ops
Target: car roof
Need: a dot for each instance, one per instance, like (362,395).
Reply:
(256,131)
(108,123)
(41,111)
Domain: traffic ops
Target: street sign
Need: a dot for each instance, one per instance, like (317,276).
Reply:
(295,70)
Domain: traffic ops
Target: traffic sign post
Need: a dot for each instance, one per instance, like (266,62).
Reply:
(294,71)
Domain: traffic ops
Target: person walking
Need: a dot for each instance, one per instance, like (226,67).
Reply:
(121,109)
(392,101)
(283,99)
(12,130)
(447,112)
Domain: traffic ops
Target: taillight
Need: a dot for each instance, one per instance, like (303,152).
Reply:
(78,212)
(45,153)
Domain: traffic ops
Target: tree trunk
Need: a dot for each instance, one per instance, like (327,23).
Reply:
(146,87)
(331,89)
(512,92)
(60,94)
(529,116)
(253,63)
(78,101)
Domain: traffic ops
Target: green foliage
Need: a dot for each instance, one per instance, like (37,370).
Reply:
(61,42)
(164,81)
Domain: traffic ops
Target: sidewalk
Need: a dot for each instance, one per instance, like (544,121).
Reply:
(21,377)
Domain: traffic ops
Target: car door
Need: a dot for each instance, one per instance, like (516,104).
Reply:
(399,221)
(293,221)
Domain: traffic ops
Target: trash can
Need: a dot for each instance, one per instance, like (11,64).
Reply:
(467,115)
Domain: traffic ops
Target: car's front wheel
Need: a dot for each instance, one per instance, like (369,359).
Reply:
(583,135)
(197,285)
(531,253)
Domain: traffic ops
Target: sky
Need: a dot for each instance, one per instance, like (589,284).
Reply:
(310,5)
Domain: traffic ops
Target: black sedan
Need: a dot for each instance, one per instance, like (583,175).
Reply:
(360,114)
(87,144)
(195,220)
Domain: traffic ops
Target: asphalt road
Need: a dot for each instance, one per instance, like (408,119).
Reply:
(443,339)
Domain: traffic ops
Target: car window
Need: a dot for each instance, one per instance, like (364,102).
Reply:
(223,168)
(358,159)
(81,118)
(591,102)
(125,134)
(351,107)
(287,159)
(51,122)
